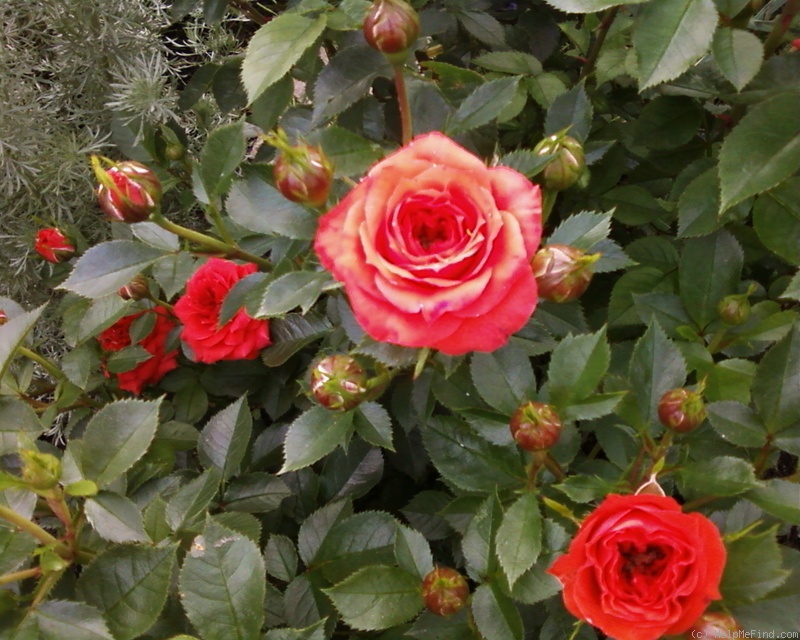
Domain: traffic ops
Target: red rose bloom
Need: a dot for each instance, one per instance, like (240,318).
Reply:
(434,248)
(53,245)
(639,568)
(118,336)
(241,338)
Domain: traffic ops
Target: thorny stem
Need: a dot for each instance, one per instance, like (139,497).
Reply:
(553,467)
(602,31)
(20,575)
(35,530)
(781,26)
(229,250)
(47,583)
(402,100)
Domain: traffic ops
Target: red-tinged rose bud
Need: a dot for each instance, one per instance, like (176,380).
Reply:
(53,245)
(339,383)
(136,289)
(445,591)
(795,44)
(128,191)
(536,426)
(391,27)
(714,625)
(567,166)
(734,309)
(562,272)
(3,317)
(304,174)
(681,410)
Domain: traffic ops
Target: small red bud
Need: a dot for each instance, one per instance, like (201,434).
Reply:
(339,383)
(53,245)
(304,174)
(536,426)
(568,165)
(681,410)
(795,46)
(562,272)
(128,191)
(391,27)
(136,289)
(714,625)
(445,591)
(734,309)
(3,317)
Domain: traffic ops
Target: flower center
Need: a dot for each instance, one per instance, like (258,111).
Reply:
(648,561)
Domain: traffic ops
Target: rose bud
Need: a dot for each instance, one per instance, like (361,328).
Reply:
(391,27)
(3,317)
(536,426)
(567,166)
(445,591)
(714,625)
(735,309)
(562,272)
(303,174)
(136,289)
(796,44)
(41,471)
(339,383)
(128,191)
(53,245)
(681,410)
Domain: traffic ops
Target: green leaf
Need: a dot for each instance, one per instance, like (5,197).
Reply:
(753,568)
(280,558)
(483,27)
(16,418)
(316,527)
(276,47)
(222,153)
(116,437)
(793,289)
(577,367)
(270,105)
(776,383)
(60,619)
(525,161)
(513,62)
(737,423)
(188,505)
(572,110)
(779,497)
(504,378)
(294,289)
(346,79)
(484,104)
(257,492)
(468,461)
(668,122)
(314,435)
(588,6)
(582,230)
(129,585)
(739,55)
(585,488)
(315,632)
(115,518)
(519,538)
(105,268)
(698,206)
(720,476)
(412,551)
(670,36)
(496,616)
(260,207)
(595,406)
(290,334)
(762,150)
(666,308)
(710,269)
(155,236)
(776,218)
(349,152)
(172,271)
(656,367)
(373,424)
(478,543)
(633,205)
(222,585)
(377,597)
(15,549)
(223,441)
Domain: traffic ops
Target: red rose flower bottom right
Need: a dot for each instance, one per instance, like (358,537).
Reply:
(639,568)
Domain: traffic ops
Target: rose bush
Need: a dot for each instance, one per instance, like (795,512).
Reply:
(639,568)
(241,338)
(433,248)
(161,362)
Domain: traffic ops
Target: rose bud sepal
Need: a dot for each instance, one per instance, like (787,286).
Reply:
(536,426)
(715,624)
(681,410)
(302,173)
(128,191)
(567,165)
(391,27)
(53,245)
(339,382)
(562,272)
(445,591)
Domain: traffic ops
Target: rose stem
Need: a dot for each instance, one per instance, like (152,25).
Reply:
(20,575)
(47,583)
(51,368)
(216,218)
(781,26)
(548,202)
(402,100)
(230,250)
(553,467)
(602,31)
(35,530)
(763,457)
